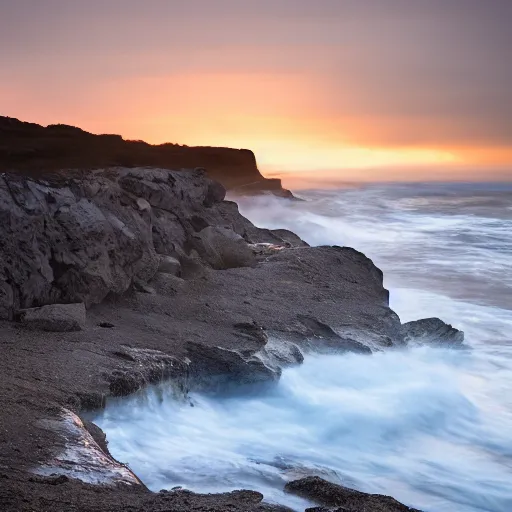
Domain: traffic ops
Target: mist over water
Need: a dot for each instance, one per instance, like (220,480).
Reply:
(431,427)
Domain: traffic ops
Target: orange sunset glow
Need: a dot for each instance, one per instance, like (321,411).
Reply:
(327,93)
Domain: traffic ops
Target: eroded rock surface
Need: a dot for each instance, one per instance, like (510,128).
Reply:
(81,457)
(80,238)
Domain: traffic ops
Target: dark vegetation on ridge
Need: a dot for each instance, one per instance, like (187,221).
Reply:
(35,150)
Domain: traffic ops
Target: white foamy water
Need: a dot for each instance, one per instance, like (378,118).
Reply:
(431,427)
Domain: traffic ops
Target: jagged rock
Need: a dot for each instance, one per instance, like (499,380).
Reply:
(141,367)
(280,353)
(321,338)
(222,248)
(336,496)
(431,331)
(169,265)
(55,317)
(212,366)
(78,240)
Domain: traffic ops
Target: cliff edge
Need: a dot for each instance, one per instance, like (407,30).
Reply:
(37,150)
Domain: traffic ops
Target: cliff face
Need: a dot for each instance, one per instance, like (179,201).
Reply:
(34,149)
(86,235)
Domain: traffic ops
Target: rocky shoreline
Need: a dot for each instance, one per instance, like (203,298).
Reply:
(122,277)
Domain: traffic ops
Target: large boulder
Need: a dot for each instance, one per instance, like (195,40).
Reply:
(431,331)
(342,498)
(55,317)
(222,248)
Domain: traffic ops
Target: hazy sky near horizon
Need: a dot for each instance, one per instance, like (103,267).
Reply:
(364,89)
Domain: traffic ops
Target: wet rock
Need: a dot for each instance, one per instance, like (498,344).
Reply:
(265,249)
(291,239)
(431,331)
(222,248)
(81,457)
(169,265)
(322,338)
(55,317)
(277,237)
(337,497)
(146,366)
(217,366)
(280,353)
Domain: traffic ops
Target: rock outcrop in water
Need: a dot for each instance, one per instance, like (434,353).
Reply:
(431,331)
(36,150)
(178,285)
(337,498)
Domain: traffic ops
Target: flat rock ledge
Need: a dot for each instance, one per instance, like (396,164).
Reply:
(54,317)
(336,498)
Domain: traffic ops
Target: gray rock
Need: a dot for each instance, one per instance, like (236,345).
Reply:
(222,248)
(142,287)
(280,353)
(55,317)
(143,205)
(167,284)
(338,497)
(217,366)
(169,265)
(78,240)
(431,331)
(141,367)
(320,337)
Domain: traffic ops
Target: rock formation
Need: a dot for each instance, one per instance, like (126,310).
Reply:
(34,150)
(431,331)
(178,286)
(337,498)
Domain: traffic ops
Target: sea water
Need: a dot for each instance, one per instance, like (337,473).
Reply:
(431,427)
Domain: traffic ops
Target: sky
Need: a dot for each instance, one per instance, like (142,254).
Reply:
(318,89)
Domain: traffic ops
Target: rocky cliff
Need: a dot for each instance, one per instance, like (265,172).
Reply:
(120,277)
(33,149)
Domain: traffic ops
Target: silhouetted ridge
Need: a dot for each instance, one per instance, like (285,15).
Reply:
(36,150)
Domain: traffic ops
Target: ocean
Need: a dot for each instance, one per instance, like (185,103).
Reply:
(431,427)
